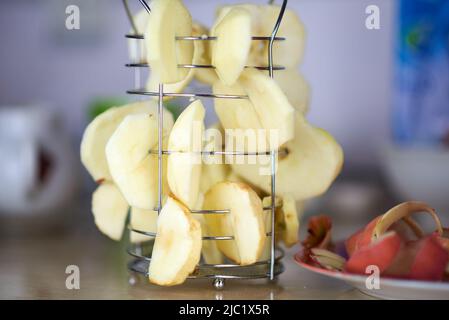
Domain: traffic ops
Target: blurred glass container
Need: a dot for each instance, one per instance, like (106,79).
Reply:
(417,163)
(421,99)
(38,167)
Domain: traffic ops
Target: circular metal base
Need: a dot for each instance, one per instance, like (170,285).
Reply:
(219,273)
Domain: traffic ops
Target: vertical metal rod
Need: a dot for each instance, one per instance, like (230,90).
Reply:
(160,111)
(137,81)
(130,16)
(145,5)
(274,152)
(273,35)
(273,212)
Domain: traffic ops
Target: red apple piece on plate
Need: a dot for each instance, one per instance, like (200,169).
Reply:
(424,259)
(380,253)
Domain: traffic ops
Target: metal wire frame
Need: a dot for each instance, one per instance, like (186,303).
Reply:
(274,154)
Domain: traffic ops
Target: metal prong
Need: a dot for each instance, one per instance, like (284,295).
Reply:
(145,5)
(273,36)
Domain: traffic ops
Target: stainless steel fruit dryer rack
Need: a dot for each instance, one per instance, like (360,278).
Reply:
(141,253)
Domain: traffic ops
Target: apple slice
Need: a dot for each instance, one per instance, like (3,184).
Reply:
(266,202)
(245,221)
(168,19)
(319,233)
(98,133)
(291,215)
(202,56)
(210,252)
(380,253)
(271,105)
(287,218)
(136,47)
(142,220)
(295,87)
(431,261)
(288,53)
(423,259)
(267,108)
(198,58)
(306,166)
(212,174)
(110,210)
(248,133)
(152,84)
(230,50)
(177,248)
(214,167)
(133,168)
(184,162)
(444,239)
(361,238)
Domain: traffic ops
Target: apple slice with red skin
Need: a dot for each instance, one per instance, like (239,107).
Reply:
(407,229)
(444,239)
(351,242)
(361,238)
(389,221)
(380,253)
(319,233)
(423,259)
(431,260)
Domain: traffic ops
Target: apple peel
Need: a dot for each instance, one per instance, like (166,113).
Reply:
(327,259)
(401,211)
(319,233)
(380,253)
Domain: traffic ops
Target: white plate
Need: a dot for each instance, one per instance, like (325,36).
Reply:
(388,288)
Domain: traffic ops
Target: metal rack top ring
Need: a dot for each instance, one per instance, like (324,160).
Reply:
(200,66)
(205,38)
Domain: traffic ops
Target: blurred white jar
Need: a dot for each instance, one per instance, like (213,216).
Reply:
(38,164)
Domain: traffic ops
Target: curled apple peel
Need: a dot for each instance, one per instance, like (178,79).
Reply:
(388,221)
(393,242)
(403,211)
